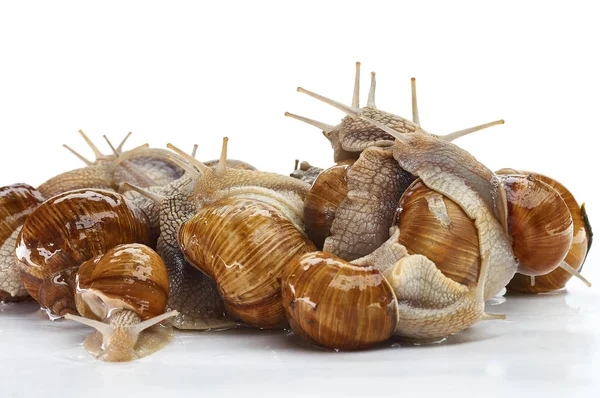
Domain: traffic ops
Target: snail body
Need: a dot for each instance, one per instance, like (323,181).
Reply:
(71,228)
(123,295)
(142,166)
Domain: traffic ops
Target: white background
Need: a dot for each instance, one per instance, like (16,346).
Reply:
(193,72)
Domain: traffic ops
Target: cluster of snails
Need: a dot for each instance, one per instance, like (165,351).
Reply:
(406,235)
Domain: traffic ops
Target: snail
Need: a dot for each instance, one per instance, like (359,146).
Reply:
(549,279)
(194,295)
(16,204)
(426,313)
(360,222)
(305,171)
(247,228)
(353,135)
(123,295)
(336,304)
(141,166)
(67,230)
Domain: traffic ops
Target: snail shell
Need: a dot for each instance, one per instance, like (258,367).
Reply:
(539,222)
(123,295)
(436,227)
(336,304)
(575,258)
(322,201)
(16,204)
(244,245)
(130,276)
(71,228)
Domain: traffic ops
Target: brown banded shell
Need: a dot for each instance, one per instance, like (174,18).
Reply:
(73,227)
(130,276)
(244,245)
(436,227)
(17,201)
(322,201)
(57,293)
(336,304)
(575,258)
(539,222)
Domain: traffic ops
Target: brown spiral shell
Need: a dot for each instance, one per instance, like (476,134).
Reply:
(17,202)
(575,258)
(130,276)
(539,222)
(244,244)
(323,199)
(73,227)
(336,304)
(435,226)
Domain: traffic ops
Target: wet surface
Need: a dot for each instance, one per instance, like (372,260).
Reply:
(548,343)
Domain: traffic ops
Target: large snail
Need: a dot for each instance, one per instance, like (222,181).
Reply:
(194,295)
(123,295)
(69,229)
(359,223)
(248,227)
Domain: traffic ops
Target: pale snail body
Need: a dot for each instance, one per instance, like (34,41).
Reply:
(69,229)
(123,295)
(140,166)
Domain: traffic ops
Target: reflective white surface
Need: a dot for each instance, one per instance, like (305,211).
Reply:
(548,346)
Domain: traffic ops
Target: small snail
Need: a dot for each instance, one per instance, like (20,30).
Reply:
(581,242)
(336,304)
(248,227)
(305,171)
(123,295)
(142,166)
(16,204)
(69,229)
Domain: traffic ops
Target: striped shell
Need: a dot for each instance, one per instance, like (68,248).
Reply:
(130,276)
(74,227)
(244,245)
